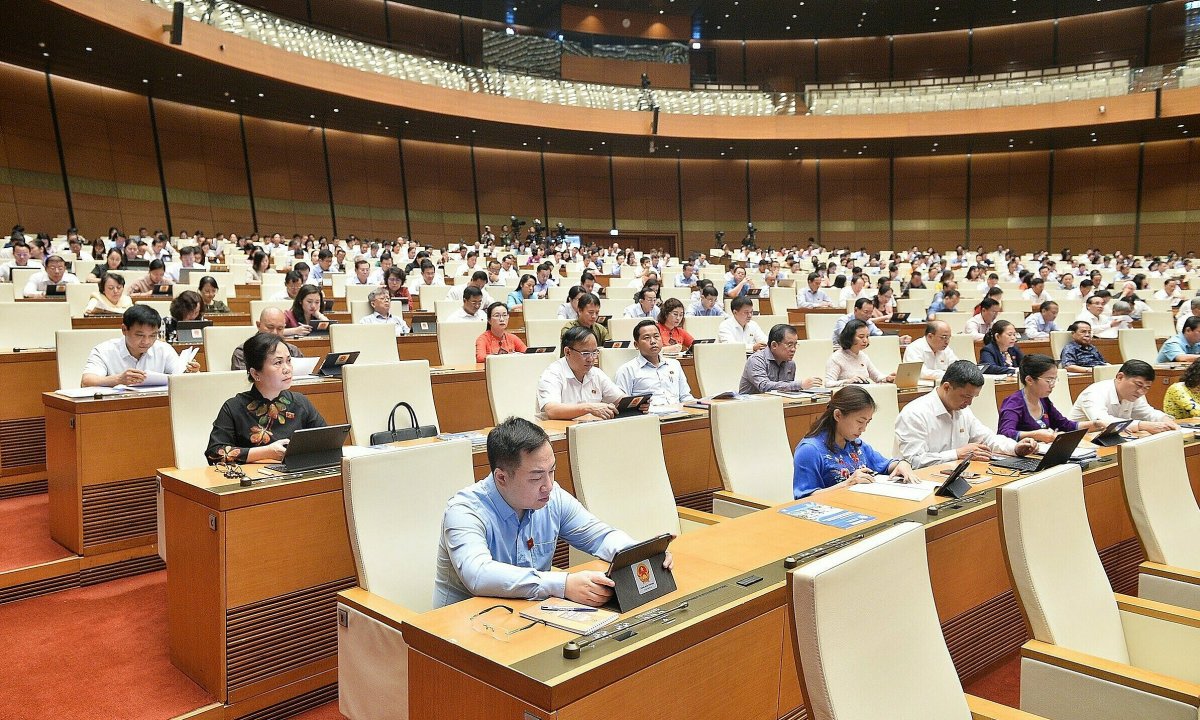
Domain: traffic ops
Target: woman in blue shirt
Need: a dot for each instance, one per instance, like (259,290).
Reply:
(524,291)
(833,456)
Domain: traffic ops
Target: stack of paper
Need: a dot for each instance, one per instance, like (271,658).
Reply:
(916,492)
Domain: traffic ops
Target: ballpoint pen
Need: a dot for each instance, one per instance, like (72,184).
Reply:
(555,608)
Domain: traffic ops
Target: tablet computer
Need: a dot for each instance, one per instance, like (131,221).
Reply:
(319,327)
(1111,435)
(956,485)
(638,574)
(632,405)
(539,349)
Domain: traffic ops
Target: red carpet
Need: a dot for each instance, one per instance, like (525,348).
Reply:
(96,652)
(25,533)
(1001,684)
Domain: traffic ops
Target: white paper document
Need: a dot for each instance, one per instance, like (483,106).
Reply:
(88,392)
(189,354)
(154,382)
(903,491)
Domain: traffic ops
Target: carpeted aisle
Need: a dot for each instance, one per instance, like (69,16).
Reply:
(96,652)
(25,533)
(1001,684)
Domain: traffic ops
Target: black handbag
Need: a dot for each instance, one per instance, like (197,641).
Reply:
(392,435)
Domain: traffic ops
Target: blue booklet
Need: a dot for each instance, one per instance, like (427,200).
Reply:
(827,515)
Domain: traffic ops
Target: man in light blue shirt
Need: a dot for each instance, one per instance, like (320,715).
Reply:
(687,278)
(863,309)
(498,536)
(813,296)
(650,372)
(1184,347)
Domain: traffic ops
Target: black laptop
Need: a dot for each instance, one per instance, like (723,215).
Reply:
(319,327)
(56,291)
(1111,435)
(1058,453)
(191,331)
(638,575)
(632,405)
(314,448)
(427,325)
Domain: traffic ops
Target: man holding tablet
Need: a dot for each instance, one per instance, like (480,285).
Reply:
(499,535)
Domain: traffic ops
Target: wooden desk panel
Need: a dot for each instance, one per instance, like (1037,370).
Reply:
(24,375)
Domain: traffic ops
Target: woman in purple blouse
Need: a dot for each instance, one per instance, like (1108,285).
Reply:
(1029,412)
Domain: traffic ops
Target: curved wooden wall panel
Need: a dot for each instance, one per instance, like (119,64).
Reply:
(31,180)
(1010,199)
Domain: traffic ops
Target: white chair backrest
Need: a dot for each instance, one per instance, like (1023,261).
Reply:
(359,309)
(885,353)
(512,382)
(957,320)
(558,293)
(629,489)
(1058,341)
(918,308)
(540,309)
(220,341)
(456,341)
(1100,373)
(394,504)
(766,322)
(359,293)
(372,391)
(703,327)
(257,306)
(32,324)
(984,406)
(1059,580)
(621,328)
(1161,501)
(1137,344)
(963,347)
(845,667)
(719,367)
(881,433)
(1161,324)
(752,448)
(1014,317)
(619,292)
(445,308)
(818,326)
(195,399)
(1061,394)
(611,359)
(543,333)
(811,358)
(78,295)
(430,295)
(375,343)
(73,348)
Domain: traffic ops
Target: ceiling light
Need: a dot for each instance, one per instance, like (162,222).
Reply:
(261,95)
(88,49)
(695,43)
(179,75)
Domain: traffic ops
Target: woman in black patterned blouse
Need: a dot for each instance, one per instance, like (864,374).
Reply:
(257,425)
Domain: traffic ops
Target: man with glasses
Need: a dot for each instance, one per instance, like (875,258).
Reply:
(573,387)
(771,368)
(472,306)
(498,536)
(932,351)
(1123,398)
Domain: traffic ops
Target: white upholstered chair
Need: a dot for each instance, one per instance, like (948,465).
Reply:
(456,341)
(371,391)
(848,660)
(621,328)
(758,479)
(719,367)
(1137,344)
(881,433)
(220,341)
(32,324)
(611,359)
(629,489)
(1165,517)
(818,326)
(73,348)
(1095,655)
(963,347)
(984,406)
(394,520)
(543,333)
(1100,373)
(512,382)
(375,343)
(703,327)
(1058,341)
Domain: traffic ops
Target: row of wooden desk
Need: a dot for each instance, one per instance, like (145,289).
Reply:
(263,565)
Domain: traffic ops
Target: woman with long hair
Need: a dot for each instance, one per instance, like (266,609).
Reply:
(832,455)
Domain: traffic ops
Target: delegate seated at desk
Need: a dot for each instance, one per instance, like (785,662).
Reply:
(273,321)
(932,351)
(54,274)
(126,360)
(650,372)
(833,455)
(1079,355)
(1184,347)
(258,424)
(380,301)
(772,368)
(939,427)
(499,535)
(1123,398)
(740,328)
(572,386)
(1029,412)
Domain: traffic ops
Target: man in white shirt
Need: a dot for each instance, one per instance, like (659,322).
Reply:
(1093,313)
(1186,311)
(1040,324)
(472,307)
(650,372)
(978,325)
(813,296)
(572,386)
(291,286)
(932,351)
(739,327)
(645,304)
(863,310)
(427,276)
(1123,398)
(54,274)
(362,273)
(478,279)
(187,261)
(128,359)
(1036,292)
(471,265)
(21,259)
(853,291)
(939,426)
(381,302)
(508,269)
